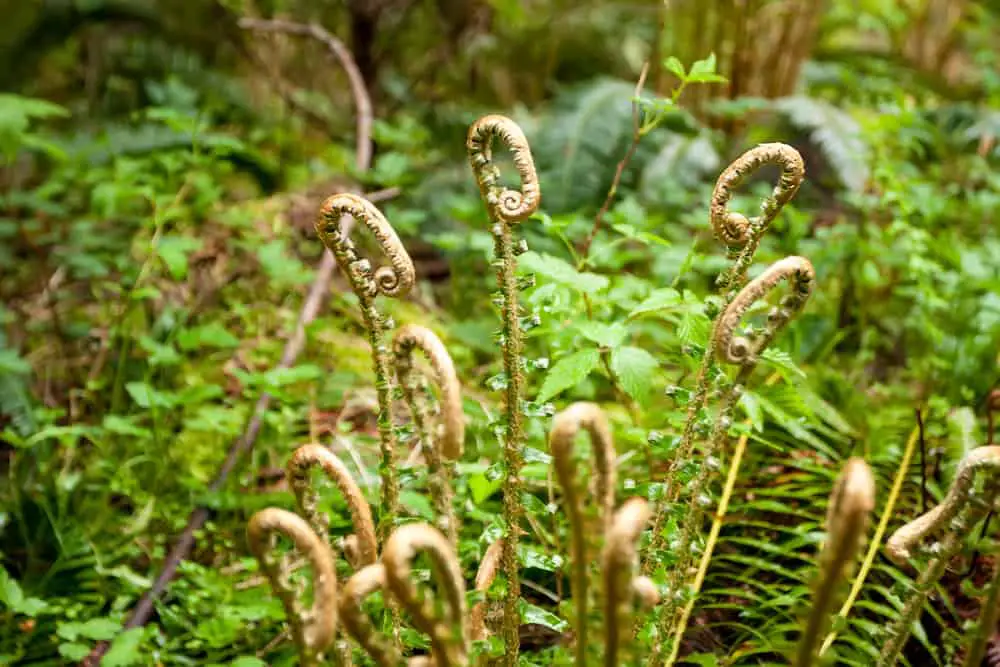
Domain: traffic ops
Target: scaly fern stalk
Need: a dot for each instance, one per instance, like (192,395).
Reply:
(506,208)
(449,643)
(851,504)
(313,628)
(741,237)
(437,449)
(622,589)
(960,510)
(394,280)
(562,438)
(366,581)
(745,351)
(989,614)
(361,547)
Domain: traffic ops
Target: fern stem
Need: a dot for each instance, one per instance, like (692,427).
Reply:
(988,615)
(883,523)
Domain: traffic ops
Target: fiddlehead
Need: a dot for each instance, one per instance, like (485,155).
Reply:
(362,549)
(485,576)
(313,628)
(851,503)
(744,351)
(364,583)
(622,589)
(507,207)
(447,631)
(448,444)
(393,280)
(562,437)
(962,507)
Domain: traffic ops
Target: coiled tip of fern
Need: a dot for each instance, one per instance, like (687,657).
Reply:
(364,548)
(412,337)
(510,206)
(646,594)
(565,427)
(364,583)
(397,279)
(314,628)
(734,229)
(621,587)
(447,629)
(734,349)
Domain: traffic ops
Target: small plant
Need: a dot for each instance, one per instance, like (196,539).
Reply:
(506,208)
(962,508)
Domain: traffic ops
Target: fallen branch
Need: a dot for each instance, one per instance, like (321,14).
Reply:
(293,348)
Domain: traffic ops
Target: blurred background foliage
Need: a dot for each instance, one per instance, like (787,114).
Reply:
(161,169)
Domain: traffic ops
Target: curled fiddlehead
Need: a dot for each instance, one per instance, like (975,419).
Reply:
(562,437)
(313,628)
(393,280)
(447,630)
(962,507)
(360,548)
(447,445)
(485,576)
(735,229)
(507,207)
(365,582)
(744,351)
(622,589)
(851,503)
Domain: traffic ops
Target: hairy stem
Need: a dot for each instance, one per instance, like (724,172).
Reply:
(989,613)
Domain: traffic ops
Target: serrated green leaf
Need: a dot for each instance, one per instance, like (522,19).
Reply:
(174,251)
(569,372)
(211,335)
(661,299)
(125,649)
(532,614)
(672,64)
(562,272)
(634,368)
(606,335)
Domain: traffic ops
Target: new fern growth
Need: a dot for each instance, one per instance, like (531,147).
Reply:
(962,507)
(313,627)
(438,449)
(393,280)
(506,208)
(562,438)
(851,503)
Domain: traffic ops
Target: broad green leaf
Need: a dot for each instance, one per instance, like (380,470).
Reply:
(211,335)
(532,614)
(672,64)
(753,410)
(562,272)
(634,367)
(145,396)
(174,251)
(605,335)
(125,649)
(661,299)
(569,372)
(73,651)
(11,362)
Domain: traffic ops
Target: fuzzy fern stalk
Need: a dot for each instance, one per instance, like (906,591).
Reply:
(314,627)
(507,208)
(741,236)
(562,438)
(623,591)
(394,280)
(438,448)
(851,503)
(963,506)
(744,352)
(360,548)
(443,620)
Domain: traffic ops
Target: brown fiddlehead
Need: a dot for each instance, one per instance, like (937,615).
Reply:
(962,508)
(365,582)
(565,427)
(363,549)
(485,577)
(507,208)
(396,279)
(438,448)
(851,503)
(446,630)
(622,589)
(314,627)
(741,234)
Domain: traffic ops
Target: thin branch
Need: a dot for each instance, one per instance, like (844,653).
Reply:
(620,170)
(293,348)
